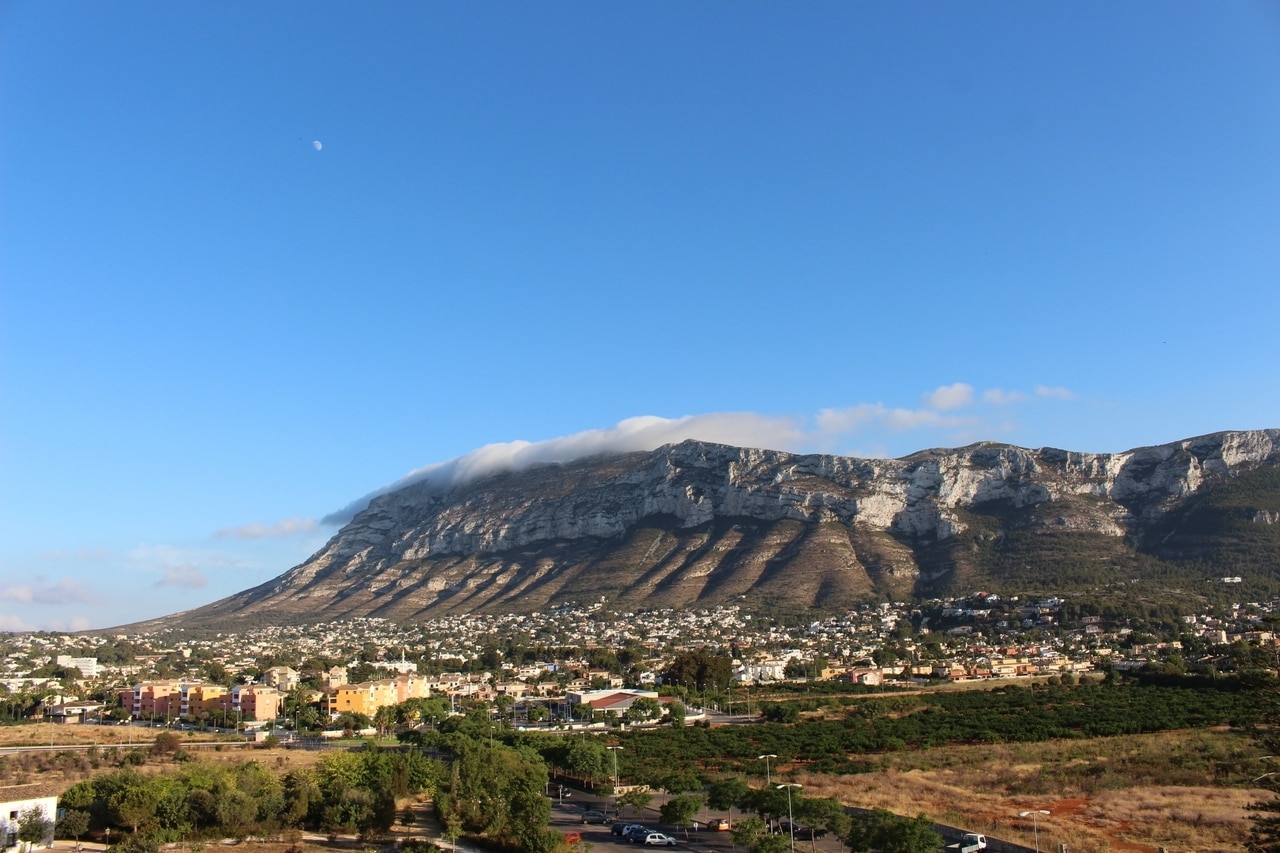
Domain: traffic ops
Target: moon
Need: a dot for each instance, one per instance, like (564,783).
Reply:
(316,144)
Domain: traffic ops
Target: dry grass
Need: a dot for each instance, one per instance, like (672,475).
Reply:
(1102,795)
(61,768)
(44,734)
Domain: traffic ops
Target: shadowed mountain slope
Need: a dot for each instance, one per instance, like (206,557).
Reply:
(697,524)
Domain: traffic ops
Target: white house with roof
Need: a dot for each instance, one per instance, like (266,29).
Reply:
(15,802)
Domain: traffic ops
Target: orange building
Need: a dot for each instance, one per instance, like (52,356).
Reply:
(200,700)
(256,701)
(152,699)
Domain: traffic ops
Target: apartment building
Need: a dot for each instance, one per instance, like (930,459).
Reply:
(152,699)
(201,700)
(282,678)
(88,666)
(255,701)
(367,697)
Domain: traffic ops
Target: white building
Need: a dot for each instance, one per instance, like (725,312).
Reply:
(13,807)
(88,666)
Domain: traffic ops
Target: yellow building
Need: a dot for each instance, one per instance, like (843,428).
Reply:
(198,700)
(367,697)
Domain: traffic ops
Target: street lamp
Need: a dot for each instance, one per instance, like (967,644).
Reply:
(1035,824)
(767,779)
(791,821)
(614,750)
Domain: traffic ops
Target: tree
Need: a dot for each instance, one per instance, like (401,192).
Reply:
(887,832)
(678,811)
(585,758)
(699,670)
(643,709)
(753,835)
(636,798)
(1264,836)
(782,712)
(237,812)
(679,781)
(827,814)
(768,803)
(166,743)
(727,793)
(74,823)
(384,718)
(132,806)
(676,714)
(33,826)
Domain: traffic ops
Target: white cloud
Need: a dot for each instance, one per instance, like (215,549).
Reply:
(745,429)
(64,591)
(13,623)
(634,434)
(186,576)
(950,396)
(75,623)
(1000,397)
(277,530)
(1055,392)
(833,423)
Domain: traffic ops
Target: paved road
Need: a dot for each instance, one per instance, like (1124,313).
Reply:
(567,815)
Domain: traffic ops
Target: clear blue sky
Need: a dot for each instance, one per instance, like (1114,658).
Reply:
(861,228)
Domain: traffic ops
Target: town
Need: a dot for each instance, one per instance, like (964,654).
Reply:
(593,662)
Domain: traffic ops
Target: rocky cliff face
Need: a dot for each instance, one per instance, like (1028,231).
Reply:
(699,523)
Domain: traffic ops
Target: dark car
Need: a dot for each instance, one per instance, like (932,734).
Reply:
(623,828)
(595,816)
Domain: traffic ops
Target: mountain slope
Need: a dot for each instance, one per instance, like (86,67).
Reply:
(695,524)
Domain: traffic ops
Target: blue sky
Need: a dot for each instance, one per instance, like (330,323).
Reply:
(862,228)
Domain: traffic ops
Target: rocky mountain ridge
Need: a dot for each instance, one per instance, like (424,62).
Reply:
(697,523)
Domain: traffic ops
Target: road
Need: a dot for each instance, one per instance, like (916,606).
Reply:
(567,815)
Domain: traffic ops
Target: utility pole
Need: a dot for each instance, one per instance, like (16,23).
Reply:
(614,750)
(768,779)
(791,821)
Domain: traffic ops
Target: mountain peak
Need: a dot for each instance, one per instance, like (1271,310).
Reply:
(698,523)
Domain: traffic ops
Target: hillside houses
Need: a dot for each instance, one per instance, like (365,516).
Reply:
(361,665)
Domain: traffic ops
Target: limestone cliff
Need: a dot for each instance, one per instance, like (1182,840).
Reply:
(699,523)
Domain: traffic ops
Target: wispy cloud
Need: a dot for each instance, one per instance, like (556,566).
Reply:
(40,591)
(12,623)
(1055,393)
(75,623)
(82,555)
(634,434)
(276,530)
(796,433)
(835,423)
(1001,397)
(186,576)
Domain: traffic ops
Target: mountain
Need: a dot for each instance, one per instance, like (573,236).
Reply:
(697,524)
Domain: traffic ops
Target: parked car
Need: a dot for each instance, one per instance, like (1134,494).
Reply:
(572,837)
(595,816)
(657,839)
(623,828)
(720,824)
(636,833)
